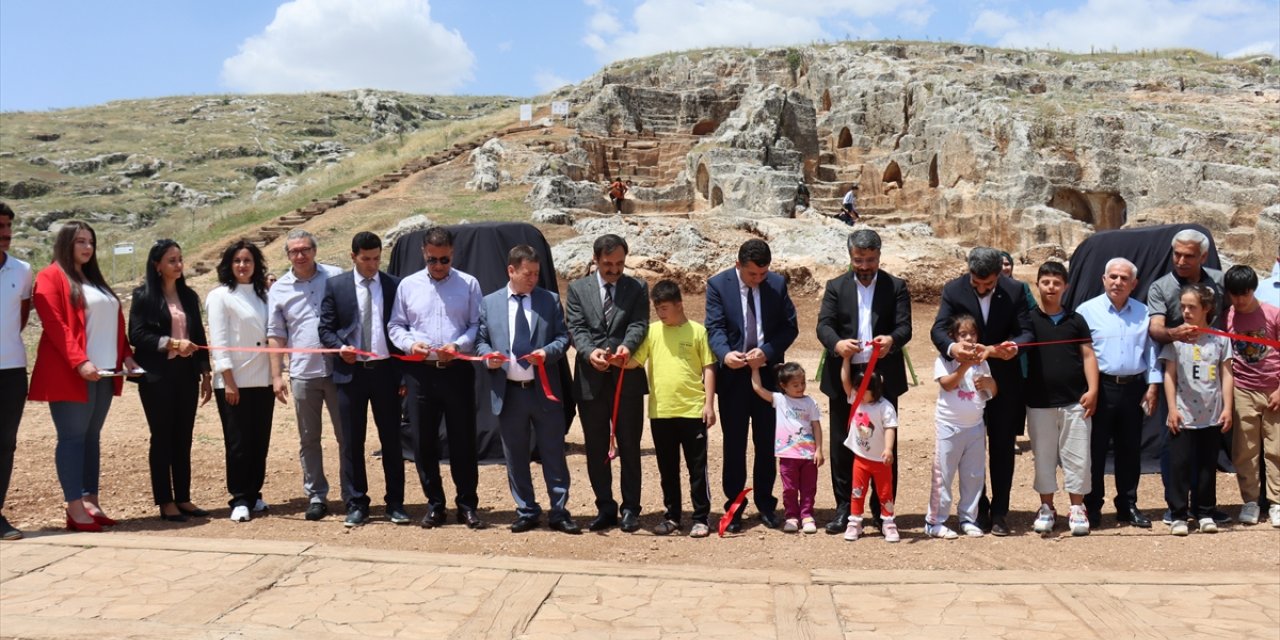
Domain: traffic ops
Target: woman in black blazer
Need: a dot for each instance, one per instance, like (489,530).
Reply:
(164,327)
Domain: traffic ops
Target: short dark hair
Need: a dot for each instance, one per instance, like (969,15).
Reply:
(437,237)
(788,371)
(755,251)
(984,261)
(864,239)
(608,243)
(875,386)
(665,291)
(1052,268)
(364,241)
(1240,279)
(6,212)
(521,253)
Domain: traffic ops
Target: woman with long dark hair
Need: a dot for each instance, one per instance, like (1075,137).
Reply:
(84,340)
(242,380)
(165,327)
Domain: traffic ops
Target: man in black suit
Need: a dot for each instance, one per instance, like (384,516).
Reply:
(608,317)
(750,321)
(862,306)
(999,304)
(353,316)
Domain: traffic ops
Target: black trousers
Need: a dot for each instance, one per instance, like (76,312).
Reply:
(595,414)
(742,410)
(246,430)
(377,385)
(1117,420)
(1005,417)
(1193,463)
(841,457)
(447,392)
(13,397)
(170,406)
(670,436)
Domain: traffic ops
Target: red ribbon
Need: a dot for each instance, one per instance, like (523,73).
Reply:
(1274,344)
(857,398)
(733,510)
(613,420)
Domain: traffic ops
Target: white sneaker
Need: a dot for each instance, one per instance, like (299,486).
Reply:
(1274,515)
(970,529)
(890,530)
(854,531)
(240,514)
(1044,520)
(809,526)
(1207,525)
(1079,521)
(941,531)
(260,506)
(791,525)
(1249,513)
(1179,528)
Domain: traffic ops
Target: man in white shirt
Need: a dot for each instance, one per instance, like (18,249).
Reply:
(15,309)
(1269,288)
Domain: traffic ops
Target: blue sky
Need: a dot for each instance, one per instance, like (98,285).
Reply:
(63,53)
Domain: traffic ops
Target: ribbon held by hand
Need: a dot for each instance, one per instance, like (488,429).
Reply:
(613,420)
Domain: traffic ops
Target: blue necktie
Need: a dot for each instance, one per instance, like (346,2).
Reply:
(521,340)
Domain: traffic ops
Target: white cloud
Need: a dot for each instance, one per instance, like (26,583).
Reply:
(334,44)
(1255,49)
(547,81)
(672,25)
(1127,25)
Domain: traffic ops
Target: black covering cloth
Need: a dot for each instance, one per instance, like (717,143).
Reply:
(1151,249)
(480,250)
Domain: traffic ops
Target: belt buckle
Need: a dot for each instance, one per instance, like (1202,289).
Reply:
(440,364)
(368,364)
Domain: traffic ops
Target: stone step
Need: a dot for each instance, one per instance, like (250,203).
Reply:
(830,189)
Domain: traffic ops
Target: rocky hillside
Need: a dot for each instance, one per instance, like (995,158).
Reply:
(127,164)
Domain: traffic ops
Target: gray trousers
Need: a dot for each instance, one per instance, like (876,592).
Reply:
(959,451)
(308,398)
(525,410)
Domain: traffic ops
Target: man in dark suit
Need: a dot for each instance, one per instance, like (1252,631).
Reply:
(862,306)
(608,315)
(999,304)
(522,326)
(750,321)
(353,316)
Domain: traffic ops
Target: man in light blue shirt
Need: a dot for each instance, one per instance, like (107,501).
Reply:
(1130,379)
(293,307)
(436,314)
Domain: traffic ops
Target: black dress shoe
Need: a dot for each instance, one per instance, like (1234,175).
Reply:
(630,521)
(472,519)
(523,524)
(177,517)
(1134,517)
(433,519)
(999,527)
(984,521)
(838,524)
(317,511)
(566,526)
(603,522)
(397,515)
(355,518)
(770,519)
(194,513)
(735,526)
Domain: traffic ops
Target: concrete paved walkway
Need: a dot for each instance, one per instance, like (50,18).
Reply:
(144,587)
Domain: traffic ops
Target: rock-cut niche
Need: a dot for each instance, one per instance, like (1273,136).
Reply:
(1102,209)
(705,127)
(717,197)
(703,180)
(933,172)
(892,174)
(826,100)
(845,140)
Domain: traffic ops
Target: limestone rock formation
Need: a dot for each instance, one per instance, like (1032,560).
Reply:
(486,171)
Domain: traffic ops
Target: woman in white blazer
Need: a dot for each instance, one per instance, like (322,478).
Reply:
(242,380)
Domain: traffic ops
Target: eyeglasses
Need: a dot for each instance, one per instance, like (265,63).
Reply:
(300,252)
(444,260)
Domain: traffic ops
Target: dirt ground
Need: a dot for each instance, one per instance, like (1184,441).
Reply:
(34,502)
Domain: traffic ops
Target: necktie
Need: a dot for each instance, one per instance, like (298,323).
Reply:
(521,344)
(366,317)
(749,322)
(609,309)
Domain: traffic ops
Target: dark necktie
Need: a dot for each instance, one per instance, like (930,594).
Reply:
(749,322)
(521,340)
(366,317)
(609,309)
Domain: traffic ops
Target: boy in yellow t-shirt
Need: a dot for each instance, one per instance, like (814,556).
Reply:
(682,384)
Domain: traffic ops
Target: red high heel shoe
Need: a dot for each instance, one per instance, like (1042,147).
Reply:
(72,525)
(103,520)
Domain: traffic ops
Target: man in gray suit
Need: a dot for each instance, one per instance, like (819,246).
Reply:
(522,326)
(608,316)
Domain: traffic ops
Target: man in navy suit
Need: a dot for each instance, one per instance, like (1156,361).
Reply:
(999,304)
(750,321)
(522,326)
(353,316)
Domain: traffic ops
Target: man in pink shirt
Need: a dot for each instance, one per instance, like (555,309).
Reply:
(1257,396)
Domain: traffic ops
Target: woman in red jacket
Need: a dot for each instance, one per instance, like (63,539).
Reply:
(84,338)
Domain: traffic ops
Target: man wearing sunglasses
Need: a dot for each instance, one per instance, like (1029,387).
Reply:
(436,315)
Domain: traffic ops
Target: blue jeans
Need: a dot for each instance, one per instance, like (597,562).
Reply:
(79,426)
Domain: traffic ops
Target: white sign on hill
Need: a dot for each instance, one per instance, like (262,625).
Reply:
(560,108)
(526,113)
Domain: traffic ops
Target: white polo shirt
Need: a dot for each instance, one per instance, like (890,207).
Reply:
(16,281)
